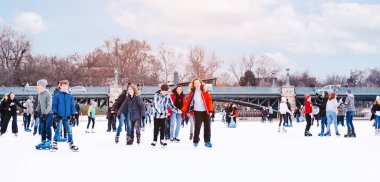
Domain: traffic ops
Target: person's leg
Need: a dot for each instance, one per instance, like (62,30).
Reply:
(14,123)
(49,123)
(156,126)
(114,123)
(109,124)
(121,121)
(66,124)
(162,128)
(178,125)
(329,120)
(24,120)
(29,117)
(77,119)
(323,123)
(334,120)
(93,123)
(57,131)
(191,120)
(173,119)
(198,123)
(128,124)
(308,123)
(279,124)
(206,127)
(138,129)
(88,123)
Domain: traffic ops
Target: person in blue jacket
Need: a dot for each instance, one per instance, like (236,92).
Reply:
(64,111)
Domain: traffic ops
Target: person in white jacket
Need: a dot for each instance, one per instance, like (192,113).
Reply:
(331,114)
(283,110)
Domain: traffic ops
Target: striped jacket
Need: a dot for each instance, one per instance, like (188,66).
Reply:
(161,103)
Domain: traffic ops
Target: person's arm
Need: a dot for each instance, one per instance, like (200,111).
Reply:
(155,104)
(142,107)
(55,103)
(48,105)
(19,104)
(171,105)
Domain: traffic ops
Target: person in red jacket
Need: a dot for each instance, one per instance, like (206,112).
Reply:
(200,102)
(178,99)
(308,111)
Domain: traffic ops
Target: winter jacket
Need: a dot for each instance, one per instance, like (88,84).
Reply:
(45,102)
(308,108)
(12,104)
(332,105)
(289,107)
(284,108)
(91,111)
(207,100)
(341,110)
(148,110)
(350,103)
(63,105)
(161,103)
(134,106)
(321,103)
(2,106)
(376,109)
(110,115)
(29,107)
(119,101)
(174,97)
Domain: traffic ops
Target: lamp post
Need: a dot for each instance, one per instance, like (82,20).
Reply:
(287,77)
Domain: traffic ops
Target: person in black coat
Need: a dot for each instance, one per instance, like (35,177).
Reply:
(321,103)
(11,112)
(2,109)
(135,107)
(111,118)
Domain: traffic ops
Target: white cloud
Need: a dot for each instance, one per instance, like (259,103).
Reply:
(329,29)
(29,22)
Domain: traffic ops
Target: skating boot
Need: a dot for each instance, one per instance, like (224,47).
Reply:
(163,143)
(191,136)
(138,140)
(92,131)
(328,133)
(348,134)
(47,145)
(73,147)
(176,140)
(87,131)
(117,138)
(153,143)
(353,134)
(129,140)
(284,130)
(208,144)
(195,145)
(337,134)
(308,134)
(39,146)
(54,146)
(321,134)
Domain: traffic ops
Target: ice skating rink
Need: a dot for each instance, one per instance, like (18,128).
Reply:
(251,152)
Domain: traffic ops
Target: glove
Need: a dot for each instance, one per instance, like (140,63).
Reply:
(43,118)
(72,120)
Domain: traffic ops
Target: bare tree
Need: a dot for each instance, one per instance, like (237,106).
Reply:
(168,59)
(335,79)
(373,78)
(198,67)
(13,49)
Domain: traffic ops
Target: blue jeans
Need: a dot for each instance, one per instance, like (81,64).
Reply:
(323,123)
(175,119)
(331,117)
(349,118)
(46,127)
(298,118)
(57,132)
(37,126)
(124,118)
(377,122)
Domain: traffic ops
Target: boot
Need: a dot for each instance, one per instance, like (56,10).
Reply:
(129,140)
(191,136)
(353,134)
(348,134)
(337,134)
(308,134)
(117,137)
(138,140)
(328,133)
(283,130)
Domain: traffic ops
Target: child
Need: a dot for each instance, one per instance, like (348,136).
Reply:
(91,116)
(111,119)
(64,110)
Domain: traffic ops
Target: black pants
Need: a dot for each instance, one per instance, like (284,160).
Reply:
(341,120)
(77,119)
(5,123)
(89,121)
(167,128)
(308,122)
(289,117)
(159,125)
(2,118)
(202,117)
(112,122)
(283,116)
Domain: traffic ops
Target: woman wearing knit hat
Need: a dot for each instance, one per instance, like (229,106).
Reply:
(308,111)
(283,110)
(376,110)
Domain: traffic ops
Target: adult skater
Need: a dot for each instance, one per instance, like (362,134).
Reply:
(10,109)
(308,111)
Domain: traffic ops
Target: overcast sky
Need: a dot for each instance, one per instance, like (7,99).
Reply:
(322,36)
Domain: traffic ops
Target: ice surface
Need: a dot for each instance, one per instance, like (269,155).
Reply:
(253,151)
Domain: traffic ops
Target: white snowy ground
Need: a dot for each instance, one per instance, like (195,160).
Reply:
(252,152)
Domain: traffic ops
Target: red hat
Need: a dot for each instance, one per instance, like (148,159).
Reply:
(307,96)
